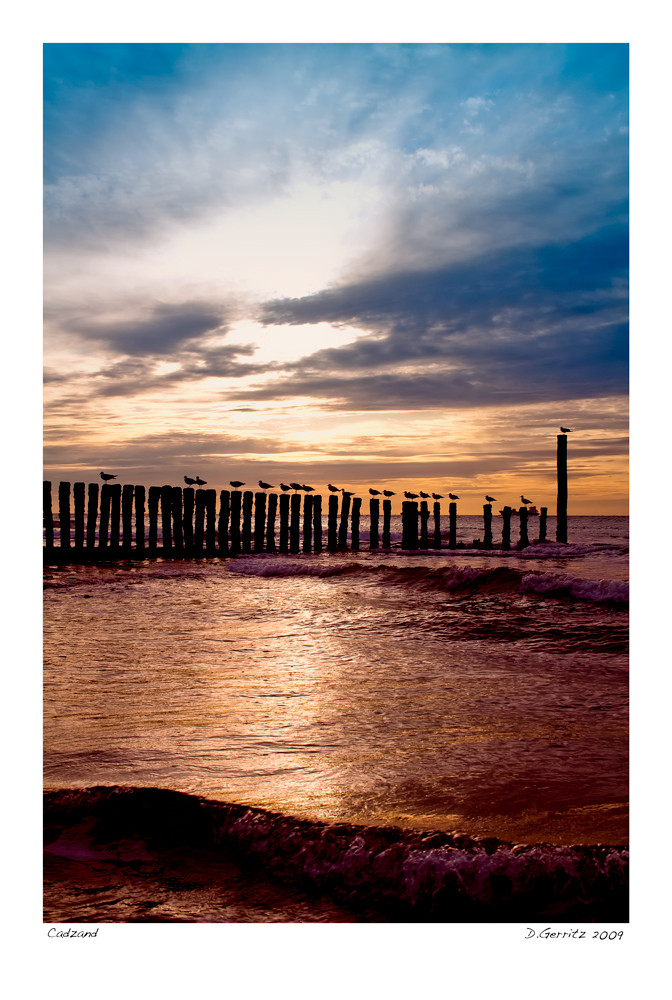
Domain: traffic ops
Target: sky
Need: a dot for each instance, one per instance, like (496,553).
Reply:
(395,266)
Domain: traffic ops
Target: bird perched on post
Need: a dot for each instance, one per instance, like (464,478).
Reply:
(346,494)
(284,487)
(201,482)
(389,493)
(333,489)
(453,496)
(296,486)
(374,493)
(523,500)
(308,489)
(235,483)
(106,475)
(265,486)
(425,496)
(189,481)
(410,496)
(566,430)
(437,496)
(490,499)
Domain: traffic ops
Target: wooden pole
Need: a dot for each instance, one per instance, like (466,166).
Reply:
(223,524)
(387,514)
(307,523)
(343,525)
(374,516)
(199,522)
(188,501)
(437,525)
(506,528)
(104,527)
(487,525)
(247,521)
(78,493)
(139,519)
(210,505)
(332,531)
(284,522)
(543,514)
(356,510)
(153,497)
(48,516)
(166,536)
(317,524)
(295,523)
(115,515)
(91,515)
(259,521)
(236,498)
(409,524)
(64,514)
(424,522)
(561,525)
(126,517)
(176,515)
(270,522)
(524,540)
(452,525)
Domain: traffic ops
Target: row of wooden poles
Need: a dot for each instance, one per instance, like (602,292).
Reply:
(110,520)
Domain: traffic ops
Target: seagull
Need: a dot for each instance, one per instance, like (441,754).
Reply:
(374,493)
(566,430)
(333,489)
(490,499)
(345,493)
(425,496)
(453,496)
(105,476)
(389,493)
(523,500)
(235,483)
(410,496)
(284,487)
(266,486)
(201,482)
(188,481)
(437,496)
(308,489)
(296,486)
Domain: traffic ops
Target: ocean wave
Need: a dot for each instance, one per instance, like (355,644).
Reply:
(392,873)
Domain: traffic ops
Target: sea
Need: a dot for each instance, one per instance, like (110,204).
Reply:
(371,736)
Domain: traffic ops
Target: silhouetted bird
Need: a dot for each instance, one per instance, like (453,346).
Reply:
(566,430)
(201,482)
(189,482)
(425,496)
(333,489)
(410,496)
(308,489)
(453,496)
(105,476)
(346,494)
(284,487)
(235,483)
(296,486)
(490,499)
(374,493)
(437,496)
(523,500)
(265,486)
(389,493)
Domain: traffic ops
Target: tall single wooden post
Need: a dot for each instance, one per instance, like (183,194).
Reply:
(104,526)
(356,511)
(374,517)
(332,521)
(343,526)
(166,534)
(543,514)
(295,523)
(424,522)
(270,522)
(188,501)
(223,523)
(126,517)
(487,525)
(210,511)
(561,526)
(153,497)
(199,523)
(387,514)
(284,522)
(78,493)
(437,525)
(317,524)
(176,517)
(248,497)
(259,521)
(452,525)
(115,515)
(524,541)
(91,515)
(409,524)
(64,514)
(236,498)
(139,497)
(506,528)
(307,523)
(48,516)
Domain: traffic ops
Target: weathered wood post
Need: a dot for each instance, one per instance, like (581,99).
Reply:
(487,525)
(139,497)
(236,498)
(153,497)
(126,517)
(188,500)
(210,505)
(561,525)
(409,524)
(104,527)
(317,524)
(524,541)
(48,515)
(284,522)
(424,521)
(343,526)
(452,525)
(332,531)
(91,515)
(64,514)
(374,516)
(115,515)
(307,523)
(270,522)
(247,521)
(437,525)
(78,493)
(259,521)
(176,518)
(199,523)
(295,523)
(166,535)
(506,528)
(543,514)
(356,511)
(387,514)
(223,523)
